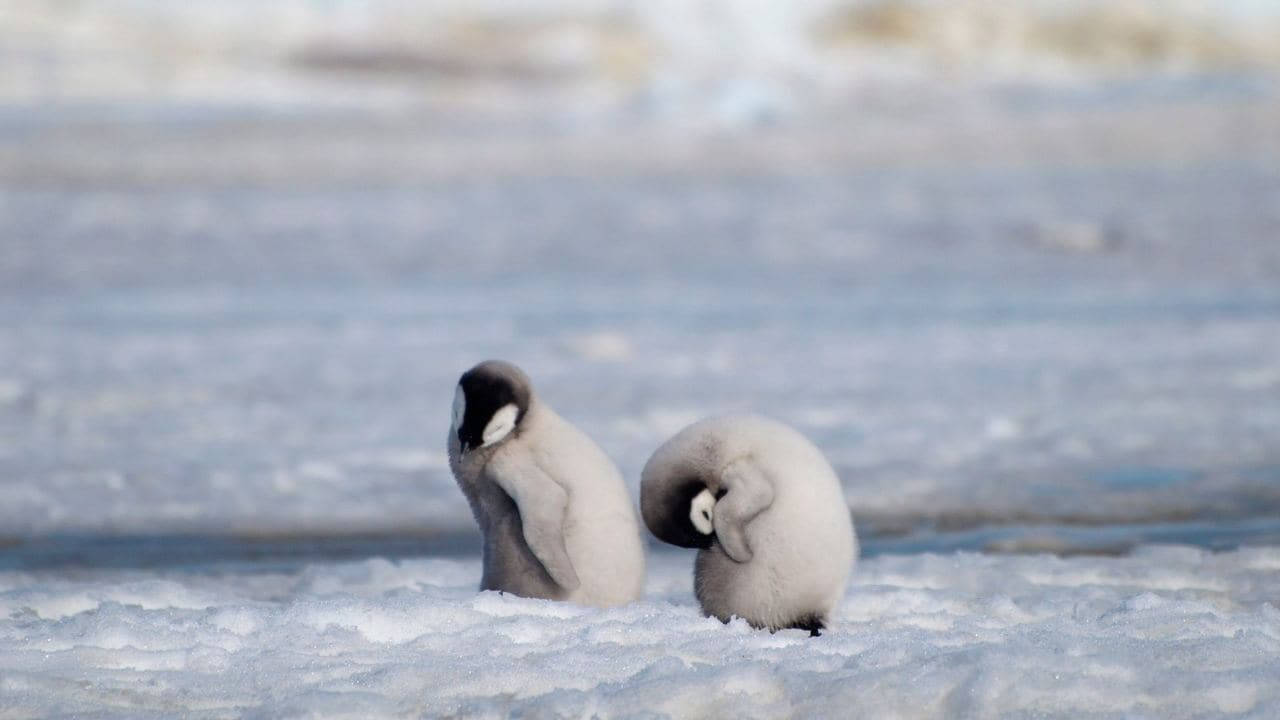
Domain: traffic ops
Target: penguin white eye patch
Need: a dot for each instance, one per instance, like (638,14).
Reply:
(459,407)
(701,511)
(500,425)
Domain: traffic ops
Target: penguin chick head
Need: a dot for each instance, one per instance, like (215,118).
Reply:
(683,514)
(489,404)
(701,510)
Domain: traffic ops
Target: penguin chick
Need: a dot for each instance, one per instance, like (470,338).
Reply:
(555,514)
(766,511)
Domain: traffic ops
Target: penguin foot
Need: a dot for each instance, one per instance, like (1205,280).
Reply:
(813,623)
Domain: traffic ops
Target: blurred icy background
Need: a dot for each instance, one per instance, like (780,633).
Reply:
(1015,267)
(1008,264)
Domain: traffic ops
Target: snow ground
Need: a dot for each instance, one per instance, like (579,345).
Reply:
(1167,632)
(1024,306)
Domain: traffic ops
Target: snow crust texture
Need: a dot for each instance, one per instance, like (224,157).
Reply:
(1167,632)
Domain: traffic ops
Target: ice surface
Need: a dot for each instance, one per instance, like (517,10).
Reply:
(200,359)
(1167,632)
(1028,303)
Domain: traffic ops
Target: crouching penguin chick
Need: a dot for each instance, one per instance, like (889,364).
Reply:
(767,514)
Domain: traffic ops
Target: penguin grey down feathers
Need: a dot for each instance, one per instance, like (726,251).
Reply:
(764,508)
(555,514)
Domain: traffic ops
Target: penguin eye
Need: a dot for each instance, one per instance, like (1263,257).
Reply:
(459,406)
(501,425)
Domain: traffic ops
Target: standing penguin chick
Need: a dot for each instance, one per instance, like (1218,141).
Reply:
(555,514)
(776,543)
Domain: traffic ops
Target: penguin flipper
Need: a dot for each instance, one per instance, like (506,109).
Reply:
(747,493)
(542,504)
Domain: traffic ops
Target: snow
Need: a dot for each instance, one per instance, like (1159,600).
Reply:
(1024,293)
(1001,357)
(1166,632)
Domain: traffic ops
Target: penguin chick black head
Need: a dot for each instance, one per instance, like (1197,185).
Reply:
(685,517)
(490,402)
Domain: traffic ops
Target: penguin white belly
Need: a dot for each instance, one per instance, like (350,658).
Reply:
(601,531)
(609,577)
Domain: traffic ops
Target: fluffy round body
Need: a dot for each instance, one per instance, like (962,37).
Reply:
(546,460)
(794,542)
